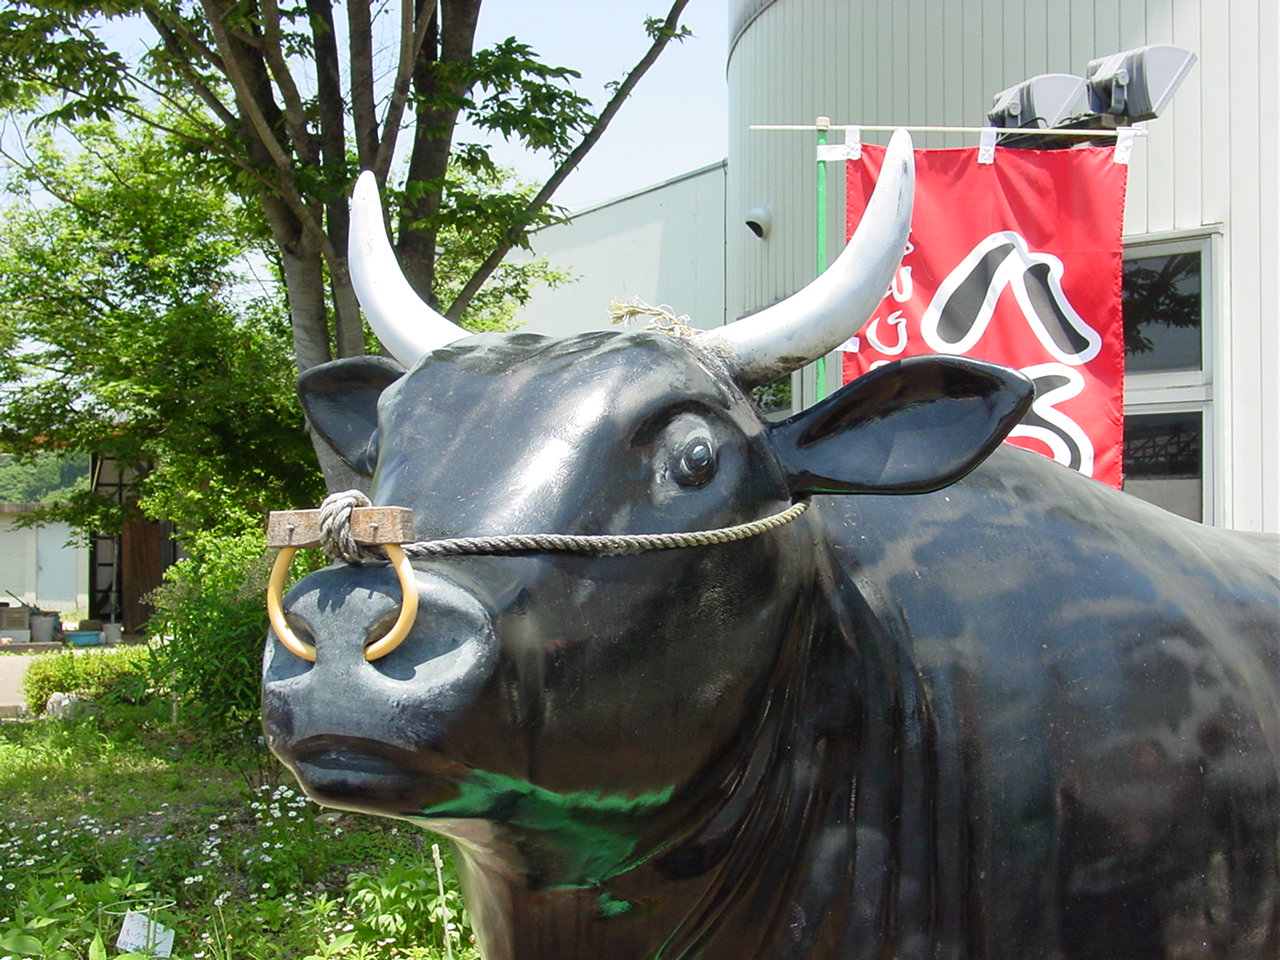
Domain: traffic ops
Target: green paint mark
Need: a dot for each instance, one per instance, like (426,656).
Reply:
(597,831)
(612,907)
(820,365)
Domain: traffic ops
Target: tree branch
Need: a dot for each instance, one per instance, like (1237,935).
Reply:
(331,110)
(440,84)
(360,64)
(235,61)
(295,114)
(413,34)
(182,44)
(349,331)
(232,153)
(244,91)
(669,30)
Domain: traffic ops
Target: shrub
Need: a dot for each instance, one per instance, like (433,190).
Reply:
(211,620)
(414,900)
(121,675)
(211,623)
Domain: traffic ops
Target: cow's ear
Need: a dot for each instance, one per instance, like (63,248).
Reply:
(910,426)
(341,401)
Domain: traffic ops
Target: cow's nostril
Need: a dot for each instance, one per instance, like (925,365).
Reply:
(380,628)
(300,627)
(302,639)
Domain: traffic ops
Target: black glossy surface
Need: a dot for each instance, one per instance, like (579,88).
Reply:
(1021,716)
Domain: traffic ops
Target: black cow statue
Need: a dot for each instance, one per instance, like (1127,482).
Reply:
(1008,713)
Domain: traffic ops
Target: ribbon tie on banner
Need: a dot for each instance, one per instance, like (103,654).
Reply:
(851,149)
(987,145)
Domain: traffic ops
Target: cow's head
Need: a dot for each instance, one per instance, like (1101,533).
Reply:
(586,698)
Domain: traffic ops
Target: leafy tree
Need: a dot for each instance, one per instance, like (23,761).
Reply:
(42,478)
(127,332)
(468,233)
(286,120)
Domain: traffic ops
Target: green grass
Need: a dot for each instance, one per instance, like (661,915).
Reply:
(121,806)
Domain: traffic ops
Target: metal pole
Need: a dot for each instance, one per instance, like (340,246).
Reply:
(820,365)
(1002,131)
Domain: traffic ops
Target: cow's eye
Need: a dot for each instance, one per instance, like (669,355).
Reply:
(695,461)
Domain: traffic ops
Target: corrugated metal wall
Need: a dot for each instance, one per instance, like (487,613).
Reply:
(1209,165)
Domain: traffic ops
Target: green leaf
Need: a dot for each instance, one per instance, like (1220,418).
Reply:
(21,943)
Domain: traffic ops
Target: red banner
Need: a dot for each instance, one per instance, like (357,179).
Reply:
(1017,262)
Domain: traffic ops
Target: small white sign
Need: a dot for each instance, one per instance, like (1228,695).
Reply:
(141,934)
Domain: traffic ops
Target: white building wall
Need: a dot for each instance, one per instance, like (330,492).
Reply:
(37,565)
(1207,168)
(664,245)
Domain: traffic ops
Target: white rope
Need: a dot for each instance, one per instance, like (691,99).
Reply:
(335,535)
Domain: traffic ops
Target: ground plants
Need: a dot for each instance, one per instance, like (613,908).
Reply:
(124,806)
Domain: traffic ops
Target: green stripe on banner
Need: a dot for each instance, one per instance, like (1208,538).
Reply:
(820,365)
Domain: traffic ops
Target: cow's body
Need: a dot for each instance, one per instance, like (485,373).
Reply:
(1023,716)
(1084,688)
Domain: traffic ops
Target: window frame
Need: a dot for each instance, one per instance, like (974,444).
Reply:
(1207,436)
(1187,391)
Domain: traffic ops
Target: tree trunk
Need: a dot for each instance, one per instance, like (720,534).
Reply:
(304,285)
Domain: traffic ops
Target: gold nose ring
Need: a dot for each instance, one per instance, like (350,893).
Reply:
(291,530)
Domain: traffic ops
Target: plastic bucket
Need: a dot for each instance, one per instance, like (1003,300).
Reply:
(42,625)
(111,633)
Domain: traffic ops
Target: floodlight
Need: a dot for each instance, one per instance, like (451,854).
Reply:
(1040,102)
(1137,84)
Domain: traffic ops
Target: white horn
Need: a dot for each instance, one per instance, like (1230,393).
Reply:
(817,319)
(407,326)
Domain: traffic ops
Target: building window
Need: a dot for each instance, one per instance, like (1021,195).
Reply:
(1163,461)
(1162,313)
(1168,388)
